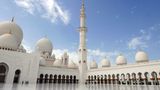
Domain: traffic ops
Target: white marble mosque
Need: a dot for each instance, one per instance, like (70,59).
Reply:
(41,66)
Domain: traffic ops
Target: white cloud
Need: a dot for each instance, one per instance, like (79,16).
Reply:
(48,9)
(136,43)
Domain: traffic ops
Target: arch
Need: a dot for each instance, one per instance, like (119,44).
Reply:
(95,79)
(118,79)
(67,79)
(46,78)
(3,72)
(154,78)
(55,79)
(113,78)
(140,79)
(50,78)
(128,77)
(59,78)
(63,78)
(134,81)
(41,78)
(98,79)
(105,79)
(109,79)
(101,79)
(123,79)
(74,79)
(17,76)
(71,78)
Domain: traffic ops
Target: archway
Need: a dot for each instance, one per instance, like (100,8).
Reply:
(46,78)
(74,79)
(50,78)
(55,79)
(101,79)
(59,79)
(134,81)
(67,79)
(109,79)
(123,80)
(95,79)
(3,72)
(147,78)
(113,79)
(154,78)
(118,81)
(41,78)
(140,78)
(105,79)
(63,79)
(98,79)
(92,79)
(71,78)
(17,76)
(128,78)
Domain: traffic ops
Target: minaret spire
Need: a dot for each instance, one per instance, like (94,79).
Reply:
(82,45)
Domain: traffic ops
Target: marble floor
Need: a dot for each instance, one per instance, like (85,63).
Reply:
(77,87)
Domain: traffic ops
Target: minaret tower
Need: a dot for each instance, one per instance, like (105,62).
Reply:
(82,45)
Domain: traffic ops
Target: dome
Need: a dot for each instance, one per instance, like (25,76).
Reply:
(105,63)
(121,60)
(141,56)
(44,45)
(8,41)
(58,63)
(42,62)
(8,26)
(93,64)
(72,65)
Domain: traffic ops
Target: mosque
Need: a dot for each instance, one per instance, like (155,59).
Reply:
(41,66)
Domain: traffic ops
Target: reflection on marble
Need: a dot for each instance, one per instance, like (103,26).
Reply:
(77,87)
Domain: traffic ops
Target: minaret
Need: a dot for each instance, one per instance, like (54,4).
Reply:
(82,45)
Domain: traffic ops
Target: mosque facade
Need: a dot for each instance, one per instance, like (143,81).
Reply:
(41,66)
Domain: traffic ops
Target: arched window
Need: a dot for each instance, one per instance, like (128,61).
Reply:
(17,76)
(3,72)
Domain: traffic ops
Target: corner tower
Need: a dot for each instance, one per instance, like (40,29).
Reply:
(82,45)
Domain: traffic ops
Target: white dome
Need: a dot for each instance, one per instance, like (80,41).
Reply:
(58,63)
(93,64)
(8,26)
(42,62)
(121,60)
(8,41)
(72,65)
(105,63)
(141,56)
(44,45)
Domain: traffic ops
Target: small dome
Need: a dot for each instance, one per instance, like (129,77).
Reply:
(105,63)
(141,56)
(44,45)
(42,62)
(58,63)
(93,65)
(8,41)
(8,26)
(121,60)
(72,65)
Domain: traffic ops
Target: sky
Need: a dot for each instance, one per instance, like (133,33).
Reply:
(114,26)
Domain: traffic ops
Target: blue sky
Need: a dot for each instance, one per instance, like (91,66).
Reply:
(114,26)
